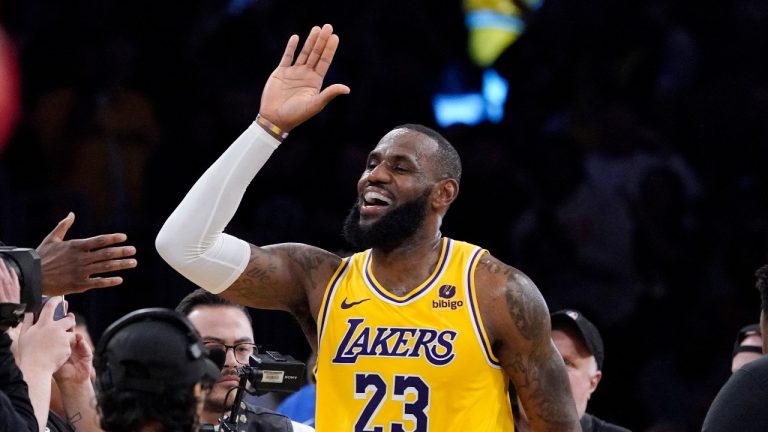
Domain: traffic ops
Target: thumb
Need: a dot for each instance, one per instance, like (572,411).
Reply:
(61,229)
(329,93)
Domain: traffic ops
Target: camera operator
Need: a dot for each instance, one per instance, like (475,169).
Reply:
(15,407)
(152,373)
(226,326)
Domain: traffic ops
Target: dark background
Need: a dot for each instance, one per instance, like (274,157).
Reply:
(626,178)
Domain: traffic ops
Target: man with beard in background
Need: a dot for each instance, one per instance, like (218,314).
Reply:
(227,327)
(417,331)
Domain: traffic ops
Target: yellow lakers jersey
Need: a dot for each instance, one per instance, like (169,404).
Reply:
(417,363)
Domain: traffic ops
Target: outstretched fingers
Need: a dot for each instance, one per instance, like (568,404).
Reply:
(112,258)
(308,45)
(290,49)
(99,241)
(320,46)
(326,56)
(99,282)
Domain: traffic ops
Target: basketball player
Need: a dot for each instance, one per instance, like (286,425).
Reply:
(418,332)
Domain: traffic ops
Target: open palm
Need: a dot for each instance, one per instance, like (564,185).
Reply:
(293,92)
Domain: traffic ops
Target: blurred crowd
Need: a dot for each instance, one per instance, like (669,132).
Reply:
(626,177)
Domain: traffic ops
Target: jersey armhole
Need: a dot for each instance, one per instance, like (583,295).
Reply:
(322,316)
(474,310)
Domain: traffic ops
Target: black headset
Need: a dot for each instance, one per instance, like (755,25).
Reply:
(194,350)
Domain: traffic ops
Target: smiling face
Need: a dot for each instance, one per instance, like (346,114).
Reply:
(395,191)
(226,325)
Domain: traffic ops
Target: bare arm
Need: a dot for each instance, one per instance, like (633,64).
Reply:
(517,320)
(287,276)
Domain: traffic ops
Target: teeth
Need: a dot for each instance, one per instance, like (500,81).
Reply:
(371,196)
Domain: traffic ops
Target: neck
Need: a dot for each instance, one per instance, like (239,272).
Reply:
(401,270)
(209,417)
(152,426)
(423,241)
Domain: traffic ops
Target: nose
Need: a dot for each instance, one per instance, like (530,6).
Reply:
(229,358)
(379,174)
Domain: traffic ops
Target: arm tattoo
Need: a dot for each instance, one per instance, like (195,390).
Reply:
(76,417)
(259,275)
(308,259)
(525,308)
(254,277)
(540,370)
(523,300)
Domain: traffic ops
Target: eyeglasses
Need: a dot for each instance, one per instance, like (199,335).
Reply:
(242,351)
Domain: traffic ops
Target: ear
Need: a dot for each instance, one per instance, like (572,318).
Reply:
(446,192)
(594,380)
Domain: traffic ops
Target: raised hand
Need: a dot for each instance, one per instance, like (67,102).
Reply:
(293,93)
(68,266)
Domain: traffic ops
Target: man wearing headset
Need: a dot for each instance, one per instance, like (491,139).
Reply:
(152,373)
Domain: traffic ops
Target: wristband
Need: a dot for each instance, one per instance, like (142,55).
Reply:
(271,128)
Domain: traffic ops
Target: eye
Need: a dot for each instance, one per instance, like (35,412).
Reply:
(213,346)
(371,164)
(244,348)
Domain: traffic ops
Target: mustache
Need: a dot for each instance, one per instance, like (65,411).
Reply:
(229,371)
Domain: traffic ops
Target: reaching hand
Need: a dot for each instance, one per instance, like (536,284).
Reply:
(79,366)
(10,291)
(45,345)
(68,265)
(292,93)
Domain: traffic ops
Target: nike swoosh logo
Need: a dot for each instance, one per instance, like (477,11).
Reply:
(345,305)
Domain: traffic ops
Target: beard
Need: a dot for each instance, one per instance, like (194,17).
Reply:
(389,232)
(221,396)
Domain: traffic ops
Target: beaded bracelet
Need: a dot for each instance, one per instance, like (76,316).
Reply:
(271,128)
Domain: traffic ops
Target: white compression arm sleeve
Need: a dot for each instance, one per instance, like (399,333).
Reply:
(192,240)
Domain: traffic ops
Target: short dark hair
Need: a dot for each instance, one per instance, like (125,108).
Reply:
(128,410)
(762,286)
(137,384)
(201,297)
(447,157)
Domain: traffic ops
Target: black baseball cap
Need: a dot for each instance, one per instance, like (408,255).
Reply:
(152,350)
(748,330)
(585,328)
